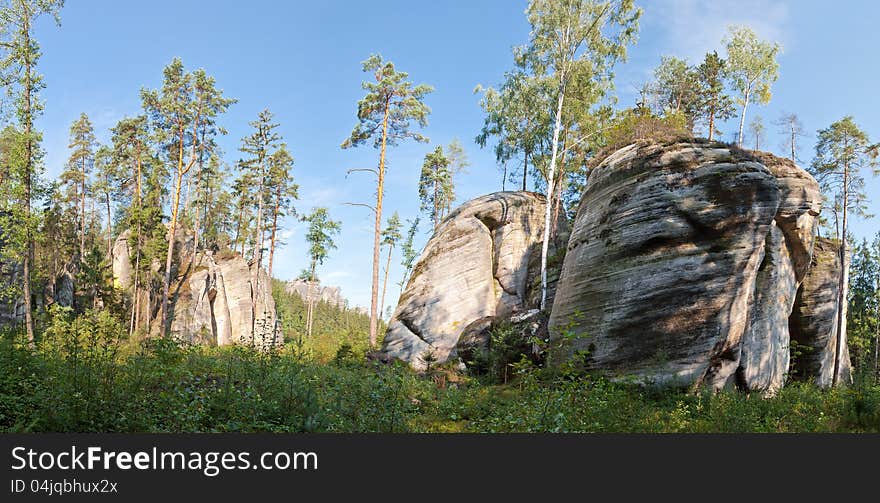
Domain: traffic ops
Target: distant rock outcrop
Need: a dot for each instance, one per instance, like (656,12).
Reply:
(483,262)
(329,294)
(683,266)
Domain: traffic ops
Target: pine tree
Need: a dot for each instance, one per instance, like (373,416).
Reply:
(843,151)
(390,237)
(715,104)
(385,115)
(284,192)
(180,112)
(79,169)
(320,240)
(435,185)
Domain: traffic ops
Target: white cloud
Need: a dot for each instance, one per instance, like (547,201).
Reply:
(693,27)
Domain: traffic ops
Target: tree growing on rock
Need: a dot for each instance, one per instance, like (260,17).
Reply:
(843,153)
(574,39)
(756,131)
(435,185)
(792,130)
(751,68)
(408,252)
(715,104)
(385,116)
(320,240)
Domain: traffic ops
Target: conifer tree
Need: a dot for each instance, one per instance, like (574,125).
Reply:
(180,111)
(320,240)
(390,237)
(385,116)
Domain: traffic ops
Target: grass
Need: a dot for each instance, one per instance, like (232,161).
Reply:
(83,377)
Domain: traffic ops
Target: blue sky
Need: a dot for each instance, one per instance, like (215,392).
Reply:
(302,60)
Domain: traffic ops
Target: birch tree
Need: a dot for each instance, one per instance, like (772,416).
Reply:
(574,39)
(751,68)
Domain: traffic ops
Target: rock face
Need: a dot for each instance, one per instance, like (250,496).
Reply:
(813,323)
(215,299)
(683,266)
(122,270)
(215,304)
(329,294)
(482,262)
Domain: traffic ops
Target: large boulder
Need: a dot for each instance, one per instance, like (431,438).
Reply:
(683,265)
(219,303)
(483,261)
(813,322)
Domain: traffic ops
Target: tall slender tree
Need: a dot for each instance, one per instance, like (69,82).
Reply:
(20,54)
(574,39)
(751,68)
(179,112)
(284,192)
(320,239)
(79,169)
(390,237)
(131,148)
(385,116)
(843,152)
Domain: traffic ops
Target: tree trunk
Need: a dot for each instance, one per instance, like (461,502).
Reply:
(374,293)
(742,119)
(841,283)
(29,167)
(525,169)
(137,247)
(82,198)
(385,282)
(550,175)
(274,230)
(166,282)
(310,303)
(504,176)
(712,120)
(109,228)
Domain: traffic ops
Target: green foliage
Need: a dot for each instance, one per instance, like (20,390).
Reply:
(83,375)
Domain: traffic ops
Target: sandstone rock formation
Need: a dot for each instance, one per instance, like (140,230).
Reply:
(122,269)
(329,294)
(214,299)
(683,266)
(215,304)
(482,262)
(813,323)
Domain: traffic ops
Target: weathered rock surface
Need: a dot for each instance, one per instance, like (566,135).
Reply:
(482,262)
(215,304)
(214,298)
(683,265)
(329,294)
(764,357)
(813,322)
(122,269)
